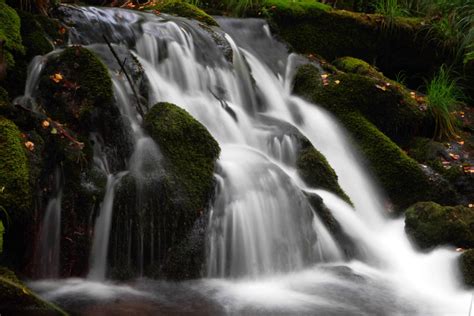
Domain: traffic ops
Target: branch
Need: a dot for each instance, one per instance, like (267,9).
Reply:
(122,67)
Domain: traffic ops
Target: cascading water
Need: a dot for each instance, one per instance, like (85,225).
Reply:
(263,231)
(50,232)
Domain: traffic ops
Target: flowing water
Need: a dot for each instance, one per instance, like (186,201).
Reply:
(268,251)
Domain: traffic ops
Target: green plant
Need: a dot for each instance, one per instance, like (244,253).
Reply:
(390,9)
(443,96)
(239,7)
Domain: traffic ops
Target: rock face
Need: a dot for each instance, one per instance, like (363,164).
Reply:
(361,106)
(430,225)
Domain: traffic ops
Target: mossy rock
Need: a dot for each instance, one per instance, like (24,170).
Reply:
(385,103)
(430,225)
(17,299)
(466,264)
(183,9)
(15,194)
(357,66)
(4,99)
(74,86)
(312,28)
(400,176)
(315,170)
(10,32)
(34,36)
(189,149)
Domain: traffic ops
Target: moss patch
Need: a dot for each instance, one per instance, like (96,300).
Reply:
(401,177)
(10,32)
(74,84)
(17,299)
(183,9)
(189,148)
(315,170)
(430,225)
(466,264)
(15,194)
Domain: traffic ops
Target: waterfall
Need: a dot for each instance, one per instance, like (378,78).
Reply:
(50,232)
(264,234)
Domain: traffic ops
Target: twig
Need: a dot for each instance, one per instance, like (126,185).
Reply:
(122,67)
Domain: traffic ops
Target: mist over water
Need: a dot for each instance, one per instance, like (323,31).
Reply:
(268,251)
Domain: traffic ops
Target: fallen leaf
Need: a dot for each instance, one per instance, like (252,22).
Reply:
(324,76)
(54,131)
(57,78)
(30,145)
(383,88)
(337,81)
(45,124)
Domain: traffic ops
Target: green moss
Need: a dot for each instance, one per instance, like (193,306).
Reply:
(430,224)
(338,33)
(356,66)
(466,264)
(295,8)
(84,86)
(400,176)
(183,9)
(384,103)
(189,149)
(316,172)
(34,37)
(17,299)
(10,32)
(4,99)
(15,195)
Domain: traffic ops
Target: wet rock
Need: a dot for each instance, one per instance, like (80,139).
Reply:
(430,225)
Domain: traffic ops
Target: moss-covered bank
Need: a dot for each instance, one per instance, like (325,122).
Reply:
(430,224)
(313,28)
(10,32)
(183,9)
(350,95)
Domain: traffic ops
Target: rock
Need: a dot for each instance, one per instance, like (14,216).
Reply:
(173,203)
(9,34)
(430,225)
(183,9)
(466,265)
(400,176)
(315,170)
(74,86)
(17,299)
(315,28)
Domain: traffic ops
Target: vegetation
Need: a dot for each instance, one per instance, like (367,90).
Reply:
(184,9)
(443,96)
(430,225)
(9,33)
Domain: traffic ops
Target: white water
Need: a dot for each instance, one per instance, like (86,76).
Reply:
(262,231)
(50,233)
